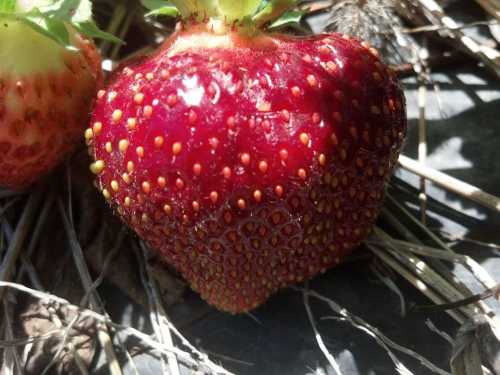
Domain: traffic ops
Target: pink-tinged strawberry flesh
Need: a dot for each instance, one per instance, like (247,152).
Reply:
(46,93)
(249,164)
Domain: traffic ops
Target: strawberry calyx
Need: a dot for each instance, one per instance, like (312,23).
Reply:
(248,14)
(53,19)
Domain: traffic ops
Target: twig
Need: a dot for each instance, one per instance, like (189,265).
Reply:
(317,335)
(95,302)
(7,268)
(9,336)
(158,315)
(490,6)
(428,28)
(65,342)
(415,281)
(437,331)
(422,146)
(381,339)
(494,292)
(130,331)
(436,15)
(450,183)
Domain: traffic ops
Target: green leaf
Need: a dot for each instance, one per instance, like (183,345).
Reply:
(50,31)
(237,10)
(272,11)
(90,29)
(52,18)
(7,6)
(288,19)
(160,8)
(154,4)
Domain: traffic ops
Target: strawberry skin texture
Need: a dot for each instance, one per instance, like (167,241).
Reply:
(46,95)
(249,164)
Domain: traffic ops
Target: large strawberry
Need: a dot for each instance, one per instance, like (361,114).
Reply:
(248,160)
(49,74)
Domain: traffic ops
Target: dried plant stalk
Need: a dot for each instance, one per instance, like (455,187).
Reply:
(450,183)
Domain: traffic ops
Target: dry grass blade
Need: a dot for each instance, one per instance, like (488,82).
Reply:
(317,335)
(143,338)
(434,13)
(450,183)
(379,337)
(427,251)
(95,302)
(7,269)
(491,6)
(431,278)
(11,354)
(157,315)
(414,279)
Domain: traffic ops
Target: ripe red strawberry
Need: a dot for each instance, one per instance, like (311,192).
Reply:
(46,92)
(249,162)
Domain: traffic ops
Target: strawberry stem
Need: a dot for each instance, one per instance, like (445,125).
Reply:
(259,13)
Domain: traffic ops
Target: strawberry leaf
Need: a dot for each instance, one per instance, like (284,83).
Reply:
(160,8)
(288,19)
(273,11)
(7,6)
(51,18)
(90,29)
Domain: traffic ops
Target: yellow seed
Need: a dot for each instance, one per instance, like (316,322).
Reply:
(97,167)
(257,195)
(109,147)
(131,123)
(123,145)
(322,159)
(242,204)
(139,98)
(114,185)
(176,148)
(146,187)
(140,151)
(168,209)
(89,134)
(150,76)
(162,182)
(196,206)
(106,194)
(117,115)
(148,111)
(97,128)
(245,159)
(304,138)
(263,166)
(214,196)
(302,174)
(159,141)
(127,201)
(197,169)
(126,178)
(130,166)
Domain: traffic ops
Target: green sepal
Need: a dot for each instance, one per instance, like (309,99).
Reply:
(289,19)
(250,13)
(272,11)
(52,19)
(7,6)
(160,8)
(91,30)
